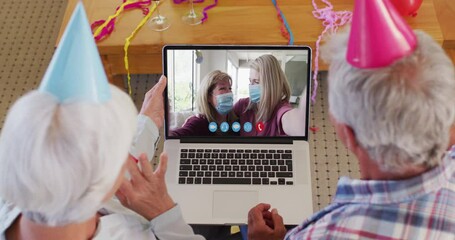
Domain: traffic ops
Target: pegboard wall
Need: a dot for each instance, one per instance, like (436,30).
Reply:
(28,31)
(329,157)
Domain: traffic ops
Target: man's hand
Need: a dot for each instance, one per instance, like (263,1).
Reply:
(153,105)
(146,192)
(265,225)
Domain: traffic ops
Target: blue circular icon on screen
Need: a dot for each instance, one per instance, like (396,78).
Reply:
(236,126)
(213,127)
(224,127)
(247,127)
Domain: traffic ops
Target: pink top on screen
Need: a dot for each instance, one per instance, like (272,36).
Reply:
(271,127)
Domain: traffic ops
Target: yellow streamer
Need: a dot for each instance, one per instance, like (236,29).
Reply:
(128,41)
(117,13)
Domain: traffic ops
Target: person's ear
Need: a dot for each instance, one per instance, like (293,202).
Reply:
(452,136)
(345,133)
(349,137)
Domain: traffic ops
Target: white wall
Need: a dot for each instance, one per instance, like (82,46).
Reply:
(213,60)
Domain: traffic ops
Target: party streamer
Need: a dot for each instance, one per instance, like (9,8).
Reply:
(285,29)
(314,129)
(182,1)
(128,41)
(204,12)
(105,27)
(331,20)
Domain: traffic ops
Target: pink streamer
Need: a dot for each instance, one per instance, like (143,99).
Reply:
(331,20)
(204,12)
(182,1)
(138,4)
(107,30)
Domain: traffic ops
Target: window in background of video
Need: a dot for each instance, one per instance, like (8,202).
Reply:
(240,82)
(232,70)
(243,83)
(183,81)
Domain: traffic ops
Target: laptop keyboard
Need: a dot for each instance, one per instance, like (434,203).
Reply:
(236,166)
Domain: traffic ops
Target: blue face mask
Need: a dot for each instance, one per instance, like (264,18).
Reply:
(224,103)
(255,93)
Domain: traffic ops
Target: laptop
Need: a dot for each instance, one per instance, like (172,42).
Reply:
(218,171)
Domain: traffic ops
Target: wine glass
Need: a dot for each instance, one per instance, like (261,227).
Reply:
(192,18)
(159,22)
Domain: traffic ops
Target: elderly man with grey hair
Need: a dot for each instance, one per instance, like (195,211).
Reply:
(397,121)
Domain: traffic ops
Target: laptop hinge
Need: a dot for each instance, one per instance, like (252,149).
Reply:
(250,140)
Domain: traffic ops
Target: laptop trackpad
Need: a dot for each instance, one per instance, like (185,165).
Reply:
(233,204)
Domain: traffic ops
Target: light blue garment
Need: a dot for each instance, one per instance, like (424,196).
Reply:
(225,102)
(255,93)
(147,135)
(120,223)
(75,72)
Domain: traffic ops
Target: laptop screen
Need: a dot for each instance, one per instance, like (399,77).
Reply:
(237,92)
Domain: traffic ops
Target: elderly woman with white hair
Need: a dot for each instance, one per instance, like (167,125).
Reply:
(62,163)
(64,152)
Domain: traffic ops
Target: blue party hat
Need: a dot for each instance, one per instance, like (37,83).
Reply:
(75,72)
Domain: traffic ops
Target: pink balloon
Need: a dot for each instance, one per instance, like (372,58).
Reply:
(407,7)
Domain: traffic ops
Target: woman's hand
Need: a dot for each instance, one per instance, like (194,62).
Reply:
(153,105)
(146,192)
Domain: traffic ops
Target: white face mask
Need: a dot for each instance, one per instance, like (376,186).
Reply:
(225,102)
(255,93)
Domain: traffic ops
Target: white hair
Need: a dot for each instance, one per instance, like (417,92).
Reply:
(401,114)
(58,161)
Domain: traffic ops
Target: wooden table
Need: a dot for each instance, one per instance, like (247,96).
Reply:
(231,22)
(445,11)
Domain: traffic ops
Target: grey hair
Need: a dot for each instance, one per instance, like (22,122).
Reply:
(58,161)
(401,114)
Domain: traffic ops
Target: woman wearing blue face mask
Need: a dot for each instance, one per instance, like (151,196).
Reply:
(268,108)
(214,103)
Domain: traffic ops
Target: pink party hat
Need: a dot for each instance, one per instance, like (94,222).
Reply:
(379,36)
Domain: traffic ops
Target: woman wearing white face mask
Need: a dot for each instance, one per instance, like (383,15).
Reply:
(214,103)
(268,109)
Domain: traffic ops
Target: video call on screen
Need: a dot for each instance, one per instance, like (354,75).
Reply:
(187,69)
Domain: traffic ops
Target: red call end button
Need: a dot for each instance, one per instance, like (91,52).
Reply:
(260,126)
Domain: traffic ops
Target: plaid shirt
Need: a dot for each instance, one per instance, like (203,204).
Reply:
(422,207)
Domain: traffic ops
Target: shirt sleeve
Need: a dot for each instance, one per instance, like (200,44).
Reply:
(147,135)
(284,108)
(8,214)
(170,225)
(194,126)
